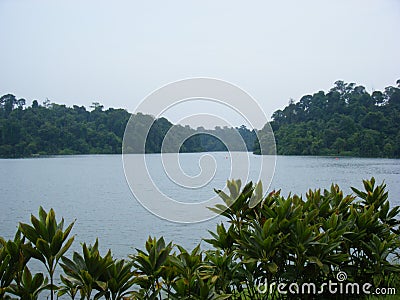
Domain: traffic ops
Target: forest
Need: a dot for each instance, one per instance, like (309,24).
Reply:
(345,121)
(55,129)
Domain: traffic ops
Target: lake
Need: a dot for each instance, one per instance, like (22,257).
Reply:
(93,190)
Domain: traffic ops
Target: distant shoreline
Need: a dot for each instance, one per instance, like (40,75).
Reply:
(257,155)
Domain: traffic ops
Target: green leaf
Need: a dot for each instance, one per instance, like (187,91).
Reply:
(29,232)
(43,247)
(102,285)
(272,267)
(56,243)
(67,231)
(51,224)
(42,215)
(316,260)
(37,281)
(32,252)
(65,248)
(27,277)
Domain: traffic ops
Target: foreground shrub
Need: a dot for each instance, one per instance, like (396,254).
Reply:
(296,240)
(14,256)
(49,240)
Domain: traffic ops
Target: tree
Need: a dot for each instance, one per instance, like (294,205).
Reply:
(35,104)
(7,103)
(97,106)
(347,120)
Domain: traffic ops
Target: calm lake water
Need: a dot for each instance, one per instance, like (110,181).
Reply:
(92,189)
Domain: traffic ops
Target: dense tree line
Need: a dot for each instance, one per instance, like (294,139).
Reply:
(347,120)
(51,128)
(56,129)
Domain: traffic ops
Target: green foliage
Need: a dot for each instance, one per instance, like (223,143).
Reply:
(188,266)
(120,278)
(150,266)
(89,272)
(30,287)
(345,121)
(14,255)
(307,240)
(69,287)
(49,239)
(54,129)
(111,278)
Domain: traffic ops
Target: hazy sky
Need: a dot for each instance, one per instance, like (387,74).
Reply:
(117,52)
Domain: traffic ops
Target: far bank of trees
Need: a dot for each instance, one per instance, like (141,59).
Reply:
(54,129)
(346,120)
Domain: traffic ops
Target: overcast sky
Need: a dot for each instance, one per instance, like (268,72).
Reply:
(117,52)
